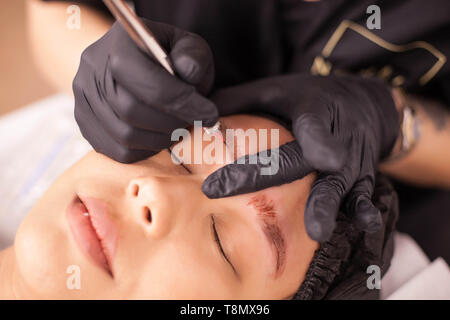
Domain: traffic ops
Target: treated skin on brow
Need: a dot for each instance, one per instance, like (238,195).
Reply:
(272,231)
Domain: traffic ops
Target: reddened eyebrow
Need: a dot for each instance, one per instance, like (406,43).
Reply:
(267,214)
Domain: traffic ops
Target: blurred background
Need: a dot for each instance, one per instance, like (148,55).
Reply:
(21,84)
(20,81)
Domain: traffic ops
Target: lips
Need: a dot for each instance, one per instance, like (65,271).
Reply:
(93,230)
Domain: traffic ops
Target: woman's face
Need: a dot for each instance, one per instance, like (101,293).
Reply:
(150,233)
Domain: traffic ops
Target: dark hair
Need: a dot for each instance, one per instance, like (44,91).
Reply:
(338,268)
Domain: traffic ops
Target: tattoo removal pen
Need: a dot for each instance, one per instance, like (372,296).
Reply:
(145,39)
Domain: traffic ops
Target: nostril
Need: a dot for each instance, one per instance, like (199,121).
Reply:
(148,214)
(135,190)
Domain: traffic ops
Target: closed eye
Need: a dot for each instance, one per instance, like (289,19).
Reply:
(178,160)
(219,244)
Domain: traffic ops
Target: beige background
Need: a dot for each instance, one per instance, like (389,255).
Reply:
(20,82)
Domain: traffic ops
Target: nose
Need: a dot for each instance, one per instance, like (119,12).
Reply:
(150,206)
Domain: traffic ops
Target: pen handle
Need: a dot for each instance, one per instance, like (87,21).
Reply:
(139,32)
(154,49)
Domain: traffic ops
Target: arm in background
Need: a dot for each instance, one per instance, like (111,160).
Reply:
(56,48)
(428,163)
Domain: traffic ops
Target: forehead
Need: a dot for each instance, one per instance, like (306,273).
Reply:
(240,135)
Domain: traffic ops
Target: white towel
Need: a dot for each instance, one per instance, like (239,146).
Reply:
(432,283)
(38,143)
(412,276)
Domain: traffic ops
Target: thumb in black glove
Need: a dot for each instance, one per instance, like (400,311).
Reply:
(127,105)
(342,126)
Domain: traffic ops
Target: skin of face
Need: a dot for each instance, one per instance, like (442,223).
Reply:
(175,256)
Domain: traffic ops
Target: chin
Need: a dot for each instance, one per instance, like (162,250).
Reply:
(40,250)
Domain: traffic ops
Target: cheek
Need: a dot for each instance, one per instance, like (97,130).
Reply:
(179,269)
(41,244)
(41,249)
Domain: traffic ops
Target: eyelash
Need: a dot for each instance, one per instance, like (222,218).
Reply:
(180,163)
(219,244)
(186,168)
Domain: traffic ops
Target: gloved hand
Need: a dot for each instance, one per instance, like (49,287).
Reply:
(343,126)
(127,105)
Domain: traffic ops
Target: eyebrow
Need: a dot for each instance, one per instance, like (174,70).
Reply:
(267,215)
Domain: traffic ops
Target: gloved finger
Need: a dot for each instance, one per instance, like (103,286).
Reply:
(150,83)
(319,146)
(190,54)
(193,61)
(154,86)
(125,134)
(255,172)
(139,115)
(360,207)
(358,203)
(323,205)
(92,130)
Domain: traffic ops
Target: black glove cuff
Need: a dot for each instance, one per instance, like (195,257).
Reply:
(389,118)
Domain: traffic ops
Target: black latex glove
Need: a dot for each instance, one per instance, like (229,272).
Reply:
(342,125)
(127,105)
